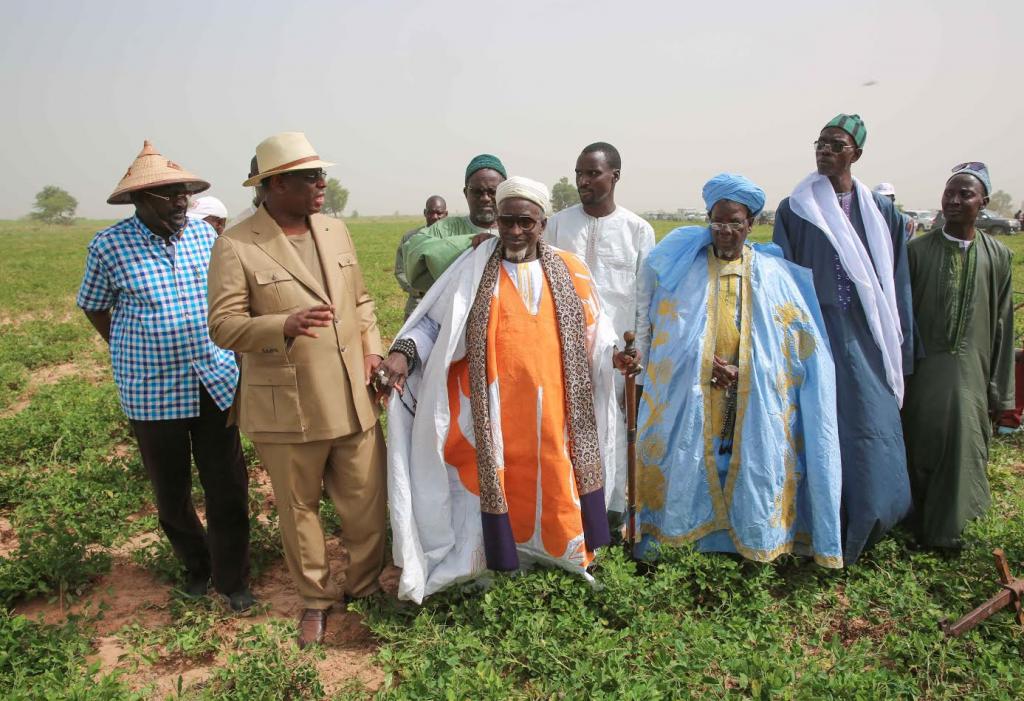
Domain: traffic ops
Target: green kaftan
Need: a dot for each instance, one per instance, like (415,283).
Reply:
(963,308)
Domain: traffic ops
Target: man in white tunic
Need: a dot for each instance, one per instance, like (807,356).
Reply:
(613,242)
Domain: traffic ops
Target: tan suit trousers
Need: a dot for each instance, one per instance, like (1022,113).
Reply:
(352,470)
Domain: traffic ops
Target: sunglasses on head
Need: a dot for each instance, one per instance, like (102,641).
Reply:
(970,165)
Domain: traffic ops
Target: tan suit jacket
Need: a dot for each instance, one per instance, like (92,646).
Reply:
(292,390)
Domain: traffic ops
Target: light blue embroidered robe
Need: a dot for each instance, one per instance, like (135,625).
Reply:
(779,489)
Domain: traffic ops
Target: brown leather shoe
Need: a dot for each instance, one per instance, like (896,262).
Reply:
(312,626)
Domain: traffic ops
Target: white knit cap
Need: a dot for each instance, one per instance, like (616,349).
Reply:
(526,189)
(203,207)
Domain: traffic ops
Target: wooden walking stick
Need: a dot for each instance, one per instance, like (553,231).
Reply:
(630,338)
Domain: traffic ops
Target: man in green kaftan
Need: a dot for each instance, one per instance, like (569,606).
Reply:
(434,210)
(963,307)
(430,252)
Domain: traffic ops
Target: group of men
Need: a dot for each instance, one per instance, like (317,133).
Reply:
(771,387)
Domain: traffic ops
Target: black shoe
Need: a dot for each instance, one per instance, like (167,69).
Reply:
(196,586)
(241,600)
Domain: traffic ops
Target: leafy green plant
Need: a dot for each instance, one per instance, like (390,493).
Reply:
(193,634)
(39,661)
(265,665)
(52,560)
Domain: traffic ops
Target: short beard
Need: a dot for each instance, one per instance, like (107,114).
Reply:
(516,256)
(485,218)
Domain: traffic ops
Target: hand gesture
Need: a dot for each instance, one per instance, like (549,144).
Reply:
(480,238)
(300,322)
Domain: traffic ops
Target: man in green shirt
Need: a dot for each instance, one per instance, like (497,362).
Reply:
(963,306)
(430,252)
(434,210)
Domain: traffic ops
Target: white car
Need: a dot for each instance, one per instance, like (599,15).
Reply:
(925,218)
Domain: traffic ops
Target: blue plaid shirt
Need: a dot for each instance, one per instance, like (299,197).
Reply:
(160,346)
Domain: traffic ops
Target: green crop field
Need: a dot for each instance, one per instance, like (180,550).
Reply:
(87,610)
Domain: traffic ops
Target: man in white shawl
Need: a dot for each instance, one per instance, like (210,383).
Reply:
(853,242)
(500,440)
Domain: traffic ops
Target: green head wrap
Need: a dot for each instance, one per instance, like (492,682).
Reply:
(853,125)
(485,160)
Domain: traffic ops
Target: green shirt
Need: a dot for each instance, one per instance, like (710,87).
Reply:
(430,252)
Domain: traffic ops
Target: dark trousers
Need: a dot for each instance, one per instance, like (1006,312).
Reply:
(167,449)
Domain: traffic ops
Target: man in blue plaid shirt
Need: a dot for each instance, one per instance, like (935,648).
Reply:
(145,292)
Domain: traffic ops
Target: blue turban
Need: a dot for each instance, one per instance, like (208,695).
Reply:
(736,188)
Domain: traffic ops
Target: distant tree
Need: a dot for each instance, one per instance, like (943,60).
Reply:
(1001,203)
(564,194)
(354,215)
(335,197)
(54,206)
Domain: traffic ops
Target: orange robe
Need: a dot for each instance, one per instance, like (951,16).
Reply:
(524,363)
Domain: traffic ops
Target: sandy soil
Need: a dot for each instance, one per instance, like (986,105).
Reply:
(8,538)
(130,595)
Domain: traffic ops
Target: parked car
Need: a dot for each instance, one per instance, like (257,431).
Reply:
(989,222)
(925,218)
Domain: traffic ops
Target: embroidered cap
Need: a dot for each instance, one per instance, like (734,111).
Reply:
(853,125)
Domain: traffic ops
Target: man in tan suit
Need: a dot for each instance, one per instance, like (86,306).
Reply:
(286,292)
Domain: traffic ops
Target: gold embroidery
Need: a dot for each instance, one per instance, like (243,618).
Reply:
(798,345)
(656,411)
(659,371)
(718,502)
(650,486)
(653,449)
(667,307)
(743,382)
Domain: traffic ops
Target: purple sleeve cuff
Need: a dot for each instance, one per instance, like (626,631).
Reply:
(595,520)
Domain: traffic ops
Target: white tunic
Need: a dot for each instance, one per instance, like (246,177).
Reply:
(614,248)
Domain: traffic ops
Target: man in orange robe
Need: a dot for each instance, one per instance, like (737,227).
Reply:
(500,429)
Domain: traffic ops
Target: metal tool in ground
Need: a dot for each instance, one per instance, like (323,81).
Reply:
(1010,596)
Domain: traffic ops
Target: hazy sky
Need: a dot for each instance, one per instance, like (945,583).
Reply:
(401,95)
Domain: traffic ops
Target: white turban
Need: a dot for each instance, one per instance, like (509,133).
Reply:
(203,207)
(526,189)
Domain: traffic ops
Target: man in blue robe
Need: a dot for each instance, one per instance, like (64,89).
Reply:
(853,242)
(738,449)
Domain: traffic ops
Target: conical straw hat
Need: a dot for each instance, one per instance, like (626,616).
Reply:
(280,153)
(150,169)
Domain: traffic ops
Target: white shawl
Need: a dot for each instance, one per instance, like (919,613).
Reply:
(814,200)
(436,528)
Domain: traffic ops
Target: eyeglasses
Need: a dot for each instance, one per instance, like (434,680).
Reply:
(731,228)
(509,220)
(174,197)
(970,165)
(311,176)
(833,146)
(479,192)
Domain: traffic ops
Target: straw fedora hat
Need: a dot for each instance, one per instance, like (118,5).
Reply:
(150,169)
(280,153)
